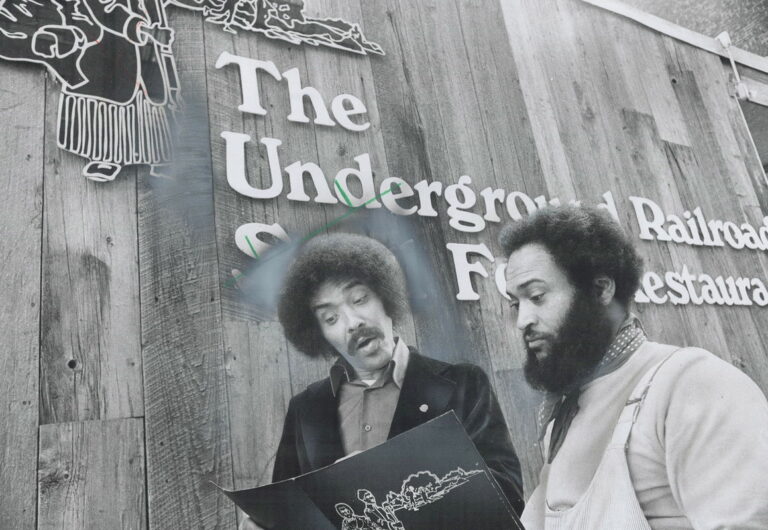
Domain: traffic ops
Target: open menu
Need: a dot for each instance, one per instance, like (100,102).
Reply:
(429,477)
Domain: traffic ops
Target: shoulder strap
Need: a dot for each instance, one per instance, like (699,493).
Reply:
(636,399)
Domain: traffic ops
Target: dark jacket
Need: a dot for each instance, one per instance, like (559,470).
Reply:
(311,437)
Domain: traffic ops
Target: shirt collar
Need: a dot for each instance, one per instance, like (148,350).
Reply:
(342,371)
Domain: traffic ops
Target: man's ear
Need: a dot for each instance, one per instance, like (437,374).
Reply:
(605,289)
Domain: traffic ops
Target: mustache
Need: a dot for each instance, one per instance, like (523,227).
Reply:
(530,335)
(363,333)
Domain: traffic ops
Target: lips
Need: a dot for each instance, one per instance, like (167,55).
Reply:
(362,343)
(535,341)
(368,347)
(363,338)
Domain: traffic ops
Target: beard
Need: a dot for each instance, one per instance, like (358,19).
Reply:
(577,348)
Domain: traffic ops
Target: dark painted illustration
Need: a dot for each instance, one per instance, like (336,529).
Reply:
(116,117)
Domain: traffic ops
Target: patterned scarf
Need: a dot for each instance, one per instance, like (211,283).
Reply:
(563,408)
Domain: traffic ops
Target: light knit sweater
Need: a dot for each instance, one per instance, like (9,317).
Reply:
(698,454)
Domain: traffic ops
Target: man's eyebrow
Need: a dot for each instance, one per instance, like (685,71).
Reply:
(351,284)
(320,306)
(528,283)
(346,287)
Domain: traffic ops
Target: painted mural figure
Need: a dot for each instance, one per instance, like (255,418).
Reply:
(113,58)
(126,121)
(111,120)
(284,20)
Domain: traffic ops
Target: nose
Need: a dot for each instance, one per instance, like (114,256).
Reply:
(526,316)
(354,320)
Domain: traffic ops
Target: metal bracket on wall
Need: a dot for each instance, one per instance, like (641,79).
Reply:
(741,90)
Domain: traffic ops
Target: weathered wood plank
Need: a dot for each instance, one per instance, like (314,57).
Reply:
(187,425)
(661,166)
(259,366)
(403,120)
(664,26)
(259,390)
(531,61)
(298,143)
(640,166)
(21,211)
(90,343)
(515,163)
(333,73)
(647,77)
(728,195)
(91,475)
(257,374)
(458,131)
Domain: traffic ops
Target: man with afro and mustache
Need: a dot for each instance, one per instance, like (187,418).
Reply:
(635,434)
(343,297)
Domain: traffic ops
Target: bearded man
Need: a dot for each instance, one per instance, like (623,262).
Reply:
(343,297)
(638,434)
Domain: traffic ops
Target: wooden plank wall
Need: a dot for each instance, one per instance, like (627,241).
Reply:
(130,366)
(21,209)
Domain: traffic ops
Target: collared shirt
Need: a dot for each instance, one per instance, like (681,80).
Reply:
(366,411)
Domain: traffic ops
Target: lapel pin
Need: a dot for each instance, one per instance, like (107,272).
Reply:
(424,407)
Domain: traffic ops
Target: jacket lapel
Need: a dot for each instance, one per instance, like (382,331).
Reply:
(425,395)
(322,438)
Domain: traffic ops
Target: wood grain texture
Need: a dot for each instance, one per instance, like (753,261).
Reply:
(460,129)
(257,376)
(91,476)
(745,20)
(298,143)
(640,114)
(403,124)
(21,209)
(258,365)
(187,423)
(549,97)
(90,339)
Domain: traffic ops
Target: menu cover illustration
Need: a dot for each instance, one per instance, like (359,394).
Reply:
(429,477)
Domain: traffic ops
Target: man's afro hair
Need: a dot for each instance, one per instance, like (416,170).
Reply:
(337,257)
(585,242)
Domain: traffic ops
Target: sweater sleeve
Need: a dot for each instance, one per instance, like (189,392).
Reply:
(715,436)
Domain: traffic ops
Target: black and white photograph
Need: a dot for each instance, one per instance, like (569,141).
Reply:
(384,264)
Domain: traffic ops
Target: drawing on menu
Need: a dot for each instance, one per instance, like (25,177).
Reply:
(418,490)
